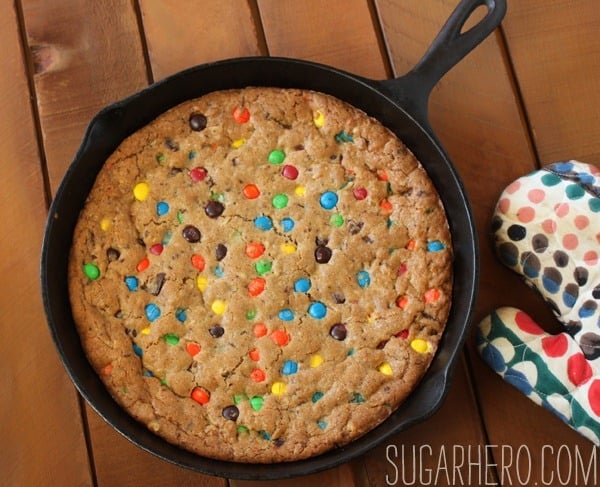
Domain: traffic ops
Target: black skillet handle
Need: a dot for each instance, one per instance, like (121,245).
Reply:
(450,46)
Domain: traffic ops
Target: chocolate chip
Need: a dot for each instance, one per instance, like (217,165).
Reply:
(231,413)
(588,308)
(321,241)
(339,298)
(338,331)
(155,286)
(112,254)
(354,227)
(214,209)
(278,442)
(221,251)
(191,234)
(322,254)
(172,145)
(216,331)
(596,292)
(197,122)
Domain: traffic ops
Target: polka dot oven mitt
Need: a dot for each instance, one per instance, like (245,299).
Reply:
(547,229)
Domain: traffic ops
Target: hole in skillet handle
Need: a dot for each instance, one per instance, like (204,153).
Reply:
(455,40)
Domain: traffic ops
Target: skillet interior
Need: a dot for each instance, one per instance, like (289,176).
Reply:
(118,121)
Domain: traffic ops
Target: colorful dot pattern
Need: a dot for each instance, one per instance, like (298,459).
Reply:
(243,245)
(547,228)
(551,370)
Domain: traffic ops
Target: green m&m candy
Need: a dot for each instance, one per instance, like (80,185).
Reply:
(91,271)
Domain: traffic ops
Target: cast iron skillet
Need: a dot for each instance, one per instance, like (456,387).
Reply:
(400,104)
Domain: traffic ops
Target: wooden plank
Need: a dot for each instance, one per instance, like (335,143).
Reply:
(86,55)
(119,462)
(342,34)
(555,48)
(41,434)
(218,30)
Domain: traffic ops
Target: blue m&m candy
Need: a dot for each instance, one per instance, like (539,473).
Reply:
(317,310)
(263,223)
(328,200)
(302,285)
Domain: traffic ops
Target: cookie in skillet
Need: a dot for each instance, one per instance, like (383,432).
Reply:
(261,275)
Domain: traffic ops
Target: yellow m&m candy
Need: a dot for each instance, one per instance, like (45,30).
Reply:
(278,388)
(319,119)
(420,346)
(141,191)
(218,306)
(315,361)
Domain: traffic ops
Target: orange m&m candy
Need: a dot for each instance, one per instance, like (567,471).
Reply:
(280,337)
(251,191)
(258,375)
(256,286)
(241,115)
(200,395)
(259,330)
(254,250)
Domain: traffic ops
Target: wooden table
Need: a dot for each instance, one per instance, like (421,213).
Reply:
(528,96)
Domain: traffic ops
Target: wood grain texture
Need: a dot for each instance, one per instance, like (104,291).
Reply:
(343,34)
(555,49)
(208,31)
(118,462)
(41,435)
(86,55)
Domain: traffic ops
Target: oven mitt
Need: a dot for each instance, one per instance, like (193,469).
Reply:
(547,229)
